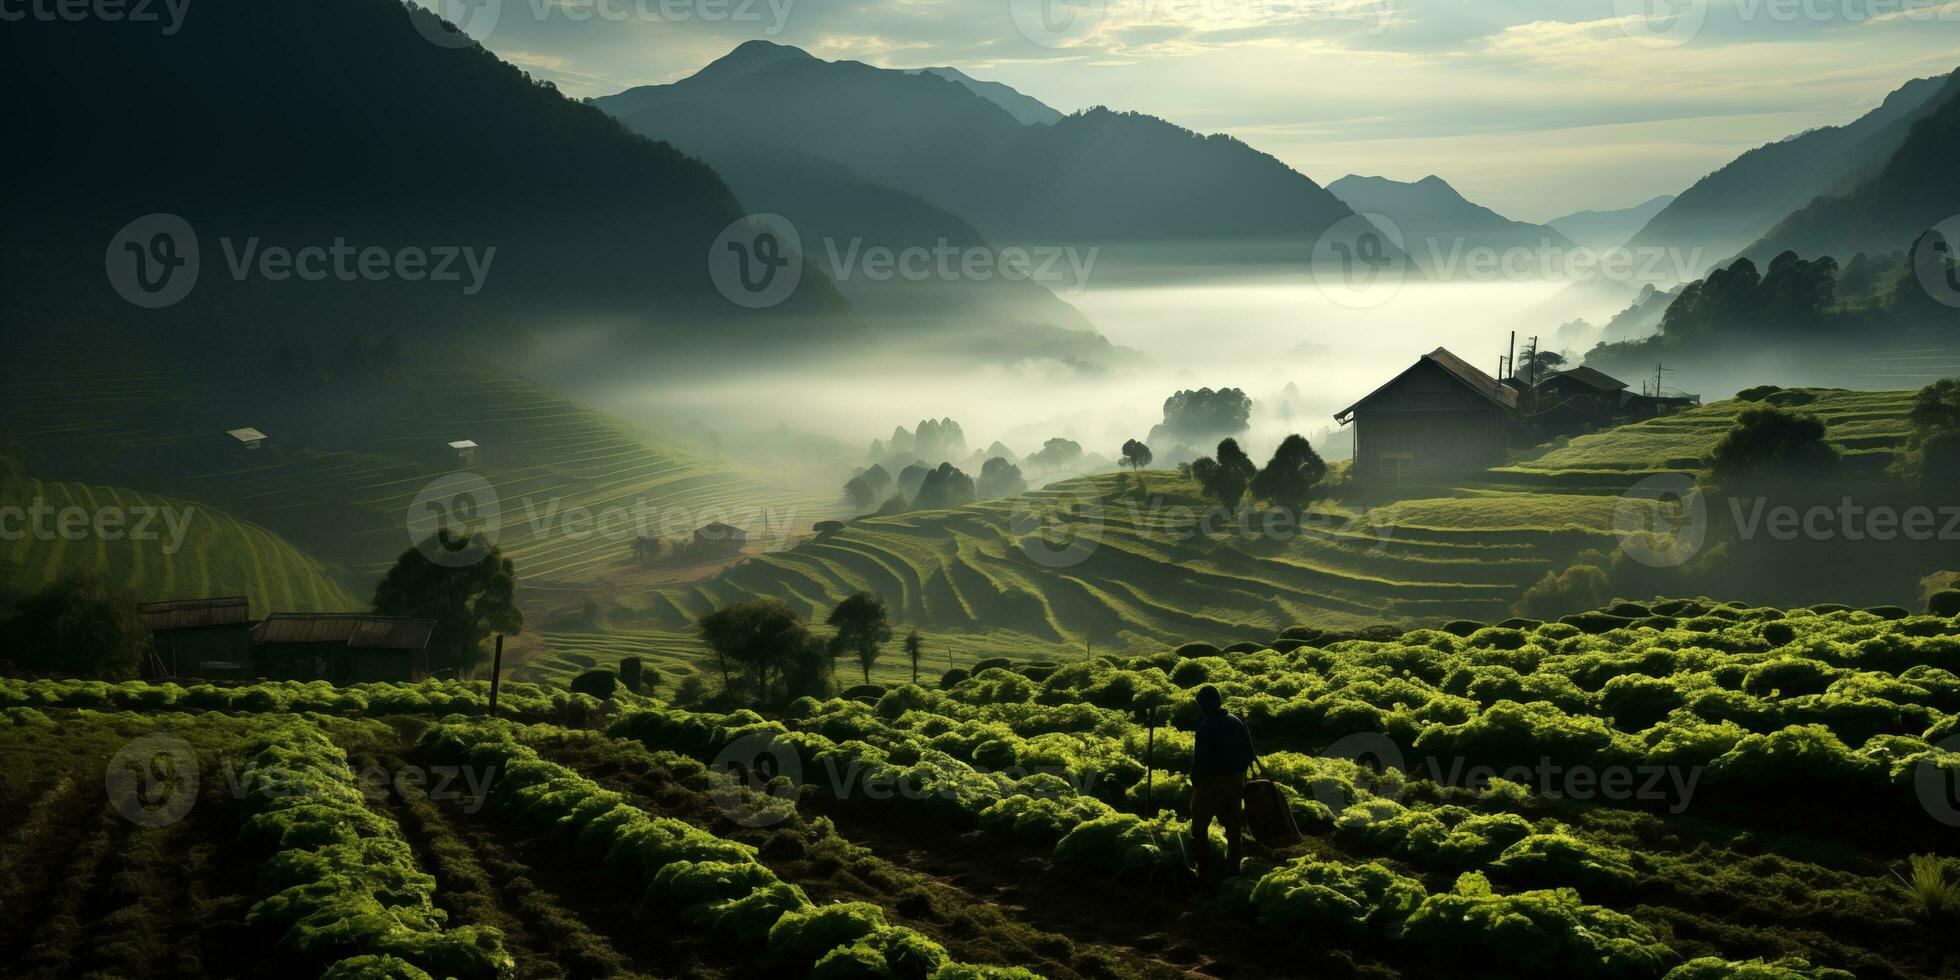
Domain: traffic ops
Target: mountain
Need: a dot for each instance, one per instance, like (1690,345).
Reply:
(275,129)
(1436,223)
(1608,229)
(1089,179)
(1737,204)
(1027,109)
(1889,210)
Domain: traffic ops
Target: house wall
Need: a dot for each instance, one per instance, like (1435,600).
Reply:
(183,649)
(1426,422)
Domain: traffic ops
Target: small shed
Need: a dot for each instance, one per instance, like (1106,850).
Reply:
(464,451)
(1439,414)
(1572,401)
(720,536)
(199,637)
(343,648)
(247,437)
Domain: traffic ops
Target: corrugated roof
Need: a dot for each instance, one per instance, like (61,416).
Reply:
(357,630)
(1593,379)
(463,444)
(247,434)
(181,614)
(1458,368)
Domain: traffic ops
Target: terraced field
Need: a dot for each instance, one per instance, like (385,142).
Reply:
(217,554)
(1424,553)
(678,653)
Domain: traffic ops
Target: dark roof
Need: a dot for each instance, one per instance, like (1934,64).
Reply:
(184,614)
(719,528)
(1458,368)
(356,630)
(1591,378)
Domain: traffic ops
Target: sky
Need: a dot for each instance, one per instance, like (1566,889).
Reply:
(1533,107)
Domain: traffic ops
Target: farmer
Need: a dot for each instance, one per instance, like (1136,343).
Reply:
(1222,753)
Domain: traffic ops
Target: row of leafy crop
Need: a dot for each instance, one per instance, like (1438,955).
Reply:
(1543,932)
(718,885)
(347,899)
(525,701)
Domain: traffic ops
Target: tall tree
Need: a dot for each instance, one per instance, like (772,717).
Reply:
(1226,477)
(1288,480)
(765,638)
(1769,444)
(863,627)
(468,601)
(915,649)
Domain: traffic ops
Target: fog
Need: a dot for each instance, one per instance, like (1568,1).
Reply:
(1258,334)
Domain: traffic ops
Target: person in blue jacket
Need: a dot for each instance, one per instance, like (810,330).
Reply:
(1219,759)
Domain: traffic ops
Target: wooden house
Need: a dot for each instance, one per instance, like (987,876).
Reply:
(199,637)
(718,536)
(343,648)
(1441,414)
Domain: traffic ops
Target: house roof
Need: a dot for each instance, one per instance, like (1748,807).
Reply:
(1458,368)
(462,444)
(718,527)
(247,434)
(356,630)
(183,614)
(1591,378)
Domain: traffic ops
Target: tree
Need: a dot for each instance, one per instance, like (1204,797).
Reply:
(945,486)
(915,649)
(1932,456)
(1195,416)
(80,627)
(863,627)
(1772,443)
(468,601)
(1136,455)
(1055,453)
(1288,480)
(1226,477)
(764,638)
(1000,478)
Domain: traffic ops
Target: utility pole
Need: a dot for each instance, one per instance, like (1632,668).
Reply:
(496,674)
(1511,356)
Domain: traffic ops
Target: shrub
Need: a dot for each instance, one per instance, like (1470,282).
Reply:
(599,683)
(1933,892)
(1578,587)
(1945,602)
(952,678)
(1716,968)
(1535,933)
(1335,898)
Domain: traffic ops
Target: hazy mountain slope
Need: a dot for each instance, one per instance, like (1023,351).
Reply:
(296,125)
(1435,221)
(1888,211)
(1027,109)
(1607,229)
(1737,204)
(1095,177)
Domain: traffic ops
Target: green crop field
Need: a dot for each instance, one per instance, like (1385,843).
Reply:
(217,554)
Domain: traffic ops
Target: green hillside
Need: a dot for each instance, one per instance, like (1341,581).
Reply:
(217,554)
(1434,552)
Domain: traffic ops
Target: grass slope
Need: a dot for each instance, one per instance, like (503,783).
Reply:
(217,555)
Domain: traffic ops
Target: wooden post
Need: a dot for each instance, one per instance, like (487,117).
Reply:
(1150,765)
(496,674)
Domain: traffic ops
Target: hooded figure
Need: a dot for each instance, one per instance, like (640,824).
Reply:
(1219,759)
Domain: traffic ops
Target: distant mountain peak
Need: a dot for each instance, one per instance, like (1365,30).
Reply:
(750,57)
(1025,109)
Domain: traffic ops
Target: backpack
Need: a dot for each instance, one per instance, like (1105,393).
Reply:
(1266,812)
